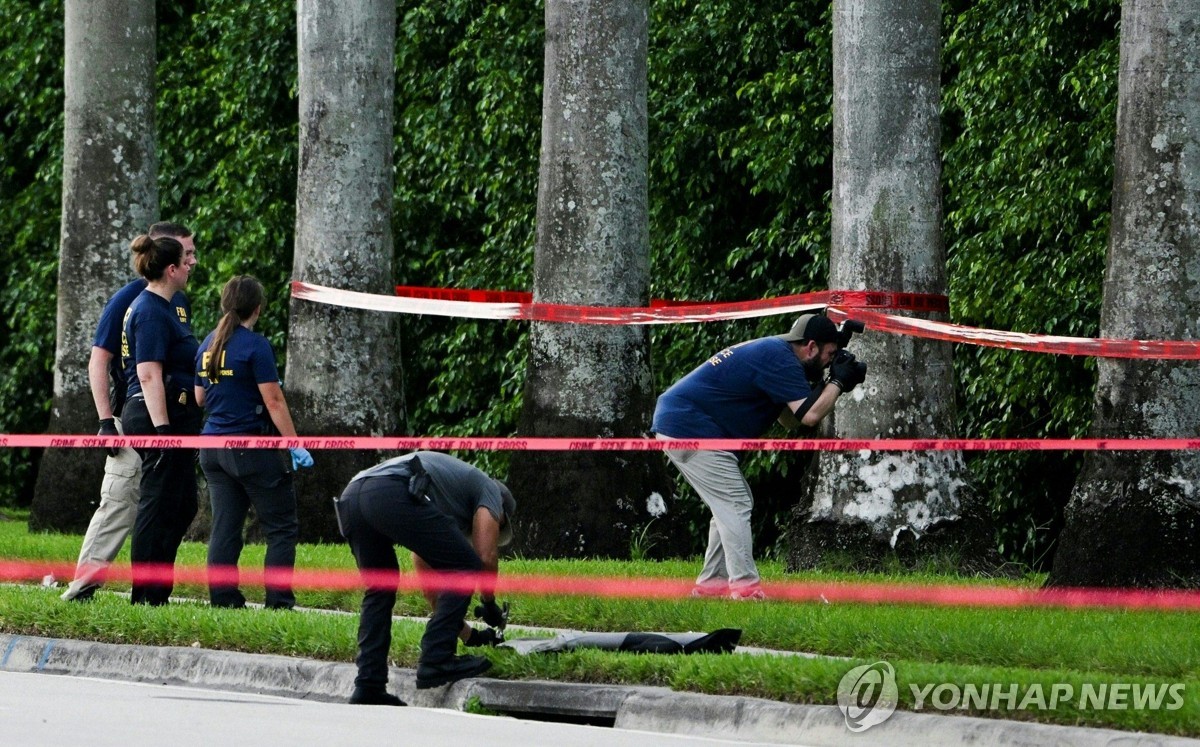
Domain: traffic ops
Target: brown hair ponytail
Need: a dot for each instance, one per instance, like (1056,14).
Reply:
(152,256)
(239,298)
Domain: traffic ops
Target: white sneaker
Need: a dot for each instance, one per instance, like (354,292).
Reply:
(748,593)
(710,591)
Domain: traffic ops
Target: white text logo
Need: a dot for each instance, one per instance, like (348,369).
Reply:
(867,695)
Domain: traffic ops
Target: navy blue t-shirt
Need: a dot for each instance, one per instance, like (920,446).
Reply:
(156,330)
(737,393)
(111,325)
(234,403)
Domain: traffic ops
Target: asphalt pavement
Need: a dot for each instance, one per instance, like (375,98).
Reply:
(644,709)
(36,710)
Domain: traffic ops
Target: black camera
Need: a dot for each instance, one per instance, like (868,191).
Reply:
(846,331)
(848,371)
(842,356)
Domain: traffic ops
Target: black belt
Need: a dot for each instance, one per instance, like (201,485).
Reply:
(142,396)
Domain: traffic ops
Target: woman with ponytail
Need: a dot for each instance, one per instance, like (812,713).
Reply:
(157,350)
(119,490)
(237,382)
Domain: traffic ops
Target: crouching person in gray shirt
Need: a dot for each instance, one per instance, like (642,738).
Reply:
(454,518)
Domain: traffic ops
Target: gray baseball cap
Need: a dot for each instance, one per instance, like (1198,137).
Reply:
(816,327)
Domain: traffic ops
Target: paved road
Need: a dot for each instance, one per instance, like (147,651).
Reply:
(37,710)
(59,691)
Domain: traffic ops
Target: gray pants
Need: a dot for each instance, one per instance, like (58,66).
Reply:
(112,522)
(718,480)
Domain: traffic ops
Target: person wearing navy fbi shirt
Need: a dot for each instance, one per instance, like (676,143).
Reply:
(237,382)
(157,351)
(114,517)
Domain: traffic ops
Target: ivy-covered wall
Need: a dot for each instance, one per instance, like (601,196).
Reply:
(740,173)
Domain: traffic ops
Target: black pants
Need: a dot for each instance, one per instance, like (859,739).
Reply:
(167,504)
(378,514)
(237,480)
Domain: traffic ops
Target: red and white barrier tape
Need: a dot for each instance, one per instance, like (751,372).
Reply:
(839,305)
(625,587)
(673,314)
(852,299)
(436,443)
(1096,347)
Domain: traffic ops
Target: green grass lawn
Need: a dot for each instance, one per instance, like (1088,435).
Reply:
(925,644)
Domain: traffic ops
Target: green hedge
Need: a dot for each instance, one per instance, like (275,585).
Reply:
(741,166)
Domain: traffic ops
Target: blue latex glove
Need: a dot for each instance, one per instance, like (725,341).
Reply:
(300,458)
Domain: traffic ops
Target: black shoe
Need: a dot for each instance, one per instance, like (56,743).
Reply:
(370,696)
(226,598)
(450,670)
(86,594)
(149,602)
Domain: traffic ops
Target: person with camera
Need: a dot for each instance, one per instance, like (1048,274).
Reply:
(739,393)
(454,518)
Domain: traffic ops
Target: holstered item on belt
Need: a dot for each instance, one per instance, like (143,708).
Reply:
(179,395)
(267,426)
(183,413)
(338,507)
(418,483)
(181,398)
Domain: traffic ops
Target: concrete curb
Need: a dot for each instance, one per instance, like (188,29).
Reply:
(821,725)
(654,709)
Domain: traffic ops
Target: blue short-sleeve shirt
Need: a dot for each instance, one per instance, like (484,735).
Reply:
(158,330)
(112,324)
(737,393)
(112,319)
(234,402)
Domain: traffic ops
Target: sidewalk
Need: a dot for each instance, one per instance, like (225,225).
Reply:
(645,708)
